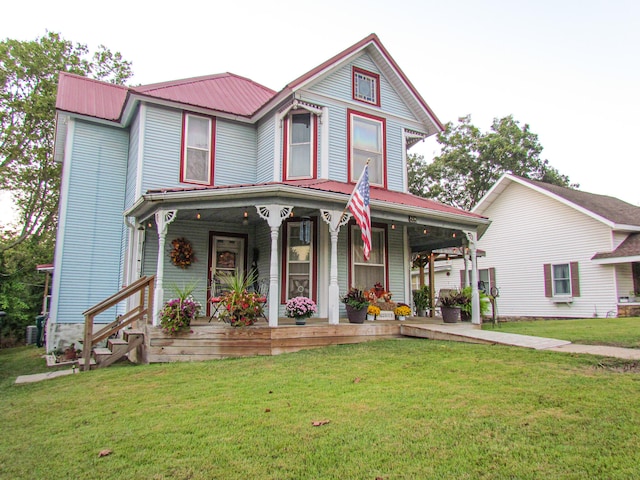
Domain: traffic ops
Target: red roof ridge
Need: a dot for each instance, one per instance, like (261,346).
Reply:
(92,80)
(202,78)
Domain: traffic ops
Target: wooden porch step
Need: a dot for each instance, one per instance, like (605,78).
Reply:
(132,332)
(117,345)
(100,354)
(92,362)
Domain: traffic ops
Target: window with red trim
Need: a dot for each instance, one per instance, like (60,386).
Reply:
(366,86)
(366,141)
(196,163)
(365,274)
(300,146)
(299,259)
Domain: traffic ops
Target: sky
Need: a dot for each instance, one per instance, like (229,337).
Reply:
(568,68)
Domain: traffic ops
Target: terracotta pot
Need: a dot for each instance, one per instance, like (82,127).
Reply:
(450,314)
(356,316)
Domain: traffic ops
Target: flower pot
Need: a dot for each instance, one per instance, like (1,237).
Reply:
(356,316)
(450,314)
(422,313)
(301,320)
(370,317)
(402,318)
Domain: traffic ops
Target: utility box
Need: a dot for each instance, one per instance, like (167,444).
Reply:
(32,334)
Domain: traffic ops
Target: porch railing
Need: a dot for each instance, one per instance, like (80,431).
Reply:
(144,287)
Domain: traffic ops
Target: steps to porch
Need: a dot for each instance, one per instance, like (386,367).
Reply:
(116,349)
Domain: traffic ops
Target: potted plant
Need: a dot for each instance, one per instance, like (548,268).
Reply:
(402,311)
(241,307)
(356,304)
(178,313)
(465,308)
(300,308)
(450,305)
(372,312)
(422,300)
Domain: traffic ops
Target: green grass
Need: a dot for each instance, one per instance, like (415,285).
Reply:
(617,332)
(398,409)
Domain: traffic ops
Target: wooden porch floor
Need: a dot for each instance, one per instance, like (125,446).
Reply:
(213,340)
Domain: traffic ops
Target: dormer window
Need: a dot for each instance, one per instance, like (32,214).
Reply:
(196,163)
(366,86)
(300,145)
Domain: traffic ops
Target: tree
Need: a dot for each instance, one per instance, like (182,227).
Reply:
(470,162)
(28,85)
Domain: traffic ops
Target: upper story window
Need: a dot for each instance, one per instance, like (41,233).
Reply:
(366,86)
(196,165)
(301,139)
(366,141)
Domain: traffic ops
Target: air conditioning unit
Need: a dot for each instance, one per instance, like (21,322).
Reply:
(32,334)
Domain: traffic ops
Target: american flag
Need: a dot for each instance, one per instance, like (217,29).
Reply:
(359,206)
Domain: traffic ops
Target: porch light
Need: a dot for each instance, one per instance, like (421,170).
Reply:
(393,226)
(198,215)
(425,231)
(454,235)
(245,218)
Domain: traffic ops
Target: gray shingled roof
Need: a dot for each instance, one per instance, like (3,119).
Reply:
(629,248)
(610,208)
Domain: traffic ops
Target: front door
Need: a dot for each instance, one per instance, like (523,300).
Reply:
(228,255)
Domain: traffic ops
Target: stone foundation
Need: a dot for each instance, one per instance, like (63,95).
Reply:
(629,309)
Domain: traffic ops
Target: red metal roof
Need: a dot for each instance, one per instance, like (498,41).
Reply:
(90,97)
(333,186)
(224,92)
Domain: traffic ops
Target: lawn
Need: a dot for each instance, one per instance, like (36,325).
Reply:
(396,409)
(617,332)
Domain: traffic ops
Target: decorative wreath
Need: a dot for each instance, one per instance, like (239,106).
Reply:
(182,252)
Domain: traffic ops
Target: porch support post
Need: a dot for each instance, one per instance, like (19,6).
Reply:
(335,219)
(475,295)
(274,215)
(163,219)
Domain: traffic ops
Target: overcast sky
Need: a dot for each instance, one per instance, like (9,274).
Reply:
(570,69)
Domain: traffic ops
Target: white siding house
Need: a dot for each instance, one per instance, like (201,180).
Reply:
(556,252)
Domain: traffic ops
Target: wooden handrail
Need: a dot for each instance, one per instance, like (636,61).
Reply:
(138,312)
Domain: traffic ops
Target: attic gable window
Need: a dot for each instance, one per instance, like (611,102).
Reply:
(196,163)
(366,86)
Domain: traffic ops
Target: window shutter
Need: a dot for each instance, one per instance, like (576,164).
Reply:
(548,287)
(575,280)
(492,278)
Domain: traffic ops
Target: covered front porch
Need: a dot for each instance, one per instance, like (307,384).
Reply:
(295,236)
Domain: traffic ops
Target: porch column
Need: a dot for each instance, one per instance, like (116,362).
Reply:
(475,295)
(335,219)
(163,219)
(274,215)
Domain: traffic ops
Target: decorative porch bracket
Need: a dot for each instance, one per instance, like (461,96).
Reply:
(335,219)
(163,219)
(475,295)
(274,215)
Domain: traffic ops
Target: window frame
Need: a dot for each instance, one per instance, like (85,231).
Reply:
(351,175)
(354,233)
(566,281)
(550,281)
(286,150)
(354,86)
(313,261)
(185,145)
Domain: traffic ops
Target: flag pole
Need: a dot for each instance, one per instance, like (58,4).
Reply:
(347,205)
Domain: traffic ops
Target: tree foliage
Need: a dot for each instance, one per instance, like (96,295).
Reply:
(470,162)
(28,85)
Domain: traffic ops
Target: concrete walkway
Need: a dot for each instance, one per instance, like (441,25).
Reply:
(465,332)
(37,377)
